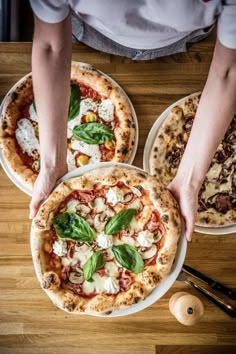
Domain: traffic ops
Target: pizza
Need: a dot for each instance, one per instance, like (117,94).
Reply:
(100,128)
(217,196)
(103,241)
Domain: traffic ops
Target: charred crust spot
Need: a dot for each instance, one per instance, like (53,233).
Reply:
(49,281)
(108,312)
(141,290)
(139,174)
(160,260)
(155,149)
(132,143)
(124,150)
(155,156)
(161,136)
(157,196)
(133,125)
(165,218)
(14,96)
(174,222)
(137,299)
(70,307)
(4,125)
(109,87)
(167,130)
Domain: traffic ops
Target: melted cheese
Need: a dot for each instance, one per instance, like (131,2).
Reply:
(99,204)
(26,138)
(71,205)
(106,110)
(33,114)
(212,187)
(70,160)
(81,255)
(97,285)
(111,269)
(91,150)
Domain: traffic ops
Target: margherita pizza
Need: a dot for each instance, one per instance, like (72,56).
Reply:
(101,126)
(105,240)
(217,196)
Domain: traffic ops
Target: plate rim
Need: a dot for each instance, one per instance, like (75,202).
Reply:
(18,183)
(156,293)
(220,230)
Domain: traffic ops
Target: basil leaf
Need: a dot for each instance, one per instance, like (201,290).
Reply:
(73,227)
(129,258)
(93,133)
(74,105)
(92,264)
(120,221)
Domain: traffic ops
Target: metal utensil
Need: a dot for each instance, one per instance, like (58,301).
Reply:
(230,310)
(211,282)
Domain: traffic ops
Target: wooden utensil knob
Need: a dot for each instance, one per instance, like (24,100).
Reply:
(186,308)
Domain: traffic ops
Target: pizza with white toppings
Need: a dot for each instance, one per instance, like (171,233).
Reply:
(217,196)
(100,128)
(103,241)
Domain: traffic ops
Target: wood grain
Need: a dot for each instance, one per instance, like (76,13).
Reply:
(29,323)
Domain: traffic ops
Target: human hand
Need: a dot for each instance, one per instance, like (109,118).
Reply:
(44,184)
(187,197)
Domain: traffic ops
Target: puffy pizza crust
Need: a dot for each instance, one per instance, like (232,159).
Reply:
(144,282)
(167,140)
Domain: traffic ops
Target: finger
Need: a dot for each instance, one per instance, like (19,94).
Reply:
(34,204)
(189,222)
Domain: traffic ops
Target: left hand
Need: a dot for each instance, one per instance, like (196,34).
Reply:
(187,197)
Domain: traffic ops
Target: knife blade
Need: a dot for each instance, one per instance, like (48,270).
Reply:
(211,282)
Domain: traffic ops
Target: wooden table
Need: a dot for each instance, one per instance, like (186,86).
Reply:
(29,323)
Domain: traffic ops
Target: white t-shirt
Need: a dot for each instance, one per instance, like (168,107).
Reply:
(146,24)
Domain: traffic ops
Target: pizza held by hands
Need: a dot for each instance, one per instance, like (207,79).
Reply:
(103,241)
(217,196)
(101,125)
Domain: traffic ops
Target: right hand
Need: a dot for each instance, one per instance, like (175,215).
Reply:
(44,184)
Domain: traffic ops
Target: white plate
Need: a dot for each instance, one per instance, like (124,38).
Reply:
(222,230)
(157,293)
(14,178)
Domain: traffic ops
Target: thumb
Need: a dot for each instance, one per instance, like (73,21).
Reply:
(34,204)
(189,224)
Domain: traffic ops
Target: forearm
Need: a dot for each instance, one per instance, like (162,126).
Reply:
(216,109)
(51,78)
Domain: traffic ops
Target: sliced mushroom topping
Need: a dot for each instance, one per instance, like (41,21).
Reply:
(76,278)
(136,191)
(100,221)
(149,253)
(128,197)
(109,213)
(83,210)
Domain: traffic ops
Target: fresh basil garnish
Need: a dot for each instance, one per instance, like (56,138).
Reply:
(74,105)
(92,264)
(73,227)
(129,258)
(120,221)
(93,133)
